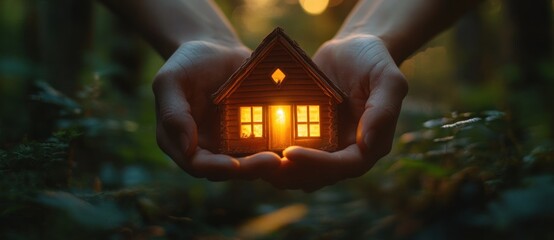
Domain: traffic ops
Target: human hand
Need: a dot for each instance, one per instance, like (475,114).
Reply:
(187,123)
(363,68)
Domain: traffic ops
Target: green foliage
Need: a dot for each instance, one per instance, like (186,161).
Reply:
(461,176)
(36,165)
(84,164)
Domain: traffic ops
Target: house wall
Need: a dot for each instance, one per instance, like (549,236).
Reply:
(232,143)
(258,89)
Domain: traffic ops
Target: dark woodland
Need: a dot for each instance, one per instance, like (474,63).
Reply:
(473,155)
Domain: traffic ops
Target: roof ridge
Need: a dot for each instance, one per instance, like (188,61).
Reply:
(314,66)
(278,31)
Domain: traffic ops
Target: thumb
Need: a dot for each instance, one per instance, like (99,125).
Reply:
(378,122)
(176,130)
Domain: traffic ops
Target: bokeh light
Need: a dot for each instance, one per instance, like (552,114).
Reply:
(314,7)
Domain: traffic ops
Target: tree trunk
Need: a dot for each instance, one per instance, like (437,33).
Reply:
(64,33)
(532,86)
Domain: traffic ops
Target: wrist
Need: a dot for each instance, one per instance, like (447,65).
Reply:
(398,50)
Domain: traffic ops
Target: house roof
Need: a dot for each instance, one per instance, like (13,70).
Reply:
(258,54)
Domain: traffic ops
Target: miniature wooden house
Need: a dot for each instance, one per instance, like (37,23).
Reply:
(276,99)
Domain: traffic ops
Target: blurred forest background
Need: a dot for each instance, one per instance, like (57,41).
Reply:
(473,157)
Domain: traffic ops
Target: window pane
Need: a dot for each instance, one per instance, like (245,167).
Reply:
(301,114)
(257,113)
(314,113)
(245,130)
(258,130)
(245,115)
(302,130)
(314,130)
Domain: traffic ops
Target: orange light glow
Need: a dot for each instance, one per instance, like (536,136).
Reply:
(314,7)
(245,114)
(258,130)
(280,123)
(307,121)
(301,113)
(251,122)
(314,130)
(280,118)
(278,76)
(269,223)
(314,113)
(257,113)
(302,130)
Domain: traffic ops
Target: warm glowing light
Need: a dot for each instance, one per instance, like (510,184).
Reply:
(245,114)
(302,130)
(258,130)
(314,7)
(269,223)
(280,124)
(278,76)
(314,130)
(245,131)
(314,113)
(307,121)
(257,114)
(280,115)
(251,122)
(301,113)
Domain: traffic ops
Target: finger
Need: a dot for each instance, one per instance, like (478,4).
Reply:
(376,133)
(259,165)
(214,167)
(170,147)
(312,169)
(378,122)
(319,157)
(348,162)
(176,128)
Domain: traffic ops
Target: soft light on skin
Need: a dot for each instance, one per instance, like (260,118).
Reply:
(314,7)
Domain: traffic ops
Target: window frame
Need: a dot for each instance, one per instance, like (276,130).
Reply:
(251,123)
(308,123)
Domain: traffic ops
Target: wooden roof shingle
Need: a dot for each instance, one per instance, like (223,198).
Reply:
(258,54)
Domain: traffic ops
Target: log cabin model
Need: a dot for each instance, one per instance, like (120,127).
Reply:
(276,99)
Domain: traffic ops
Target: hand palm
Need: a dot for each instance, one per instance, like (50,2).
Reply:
(362,67)
(188,129)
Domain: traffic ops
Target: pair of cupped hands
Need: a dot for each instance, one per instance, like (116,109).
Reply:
(188,126)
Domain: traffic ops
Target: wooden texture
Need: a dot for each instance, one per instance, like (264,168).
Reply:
(252,85)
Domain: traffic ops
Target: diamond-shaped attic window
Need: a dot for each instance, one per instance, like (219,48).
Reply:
(278,76)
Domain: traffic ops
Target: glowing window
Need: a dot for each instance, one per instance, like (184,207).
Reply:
(307,121)
(278,76)
(251,122)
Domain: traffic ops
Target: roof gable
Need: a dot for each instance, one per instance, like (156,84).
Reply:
(278,37)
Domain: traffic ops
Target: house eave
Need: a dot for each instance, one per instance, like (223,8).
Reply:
(278,35)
